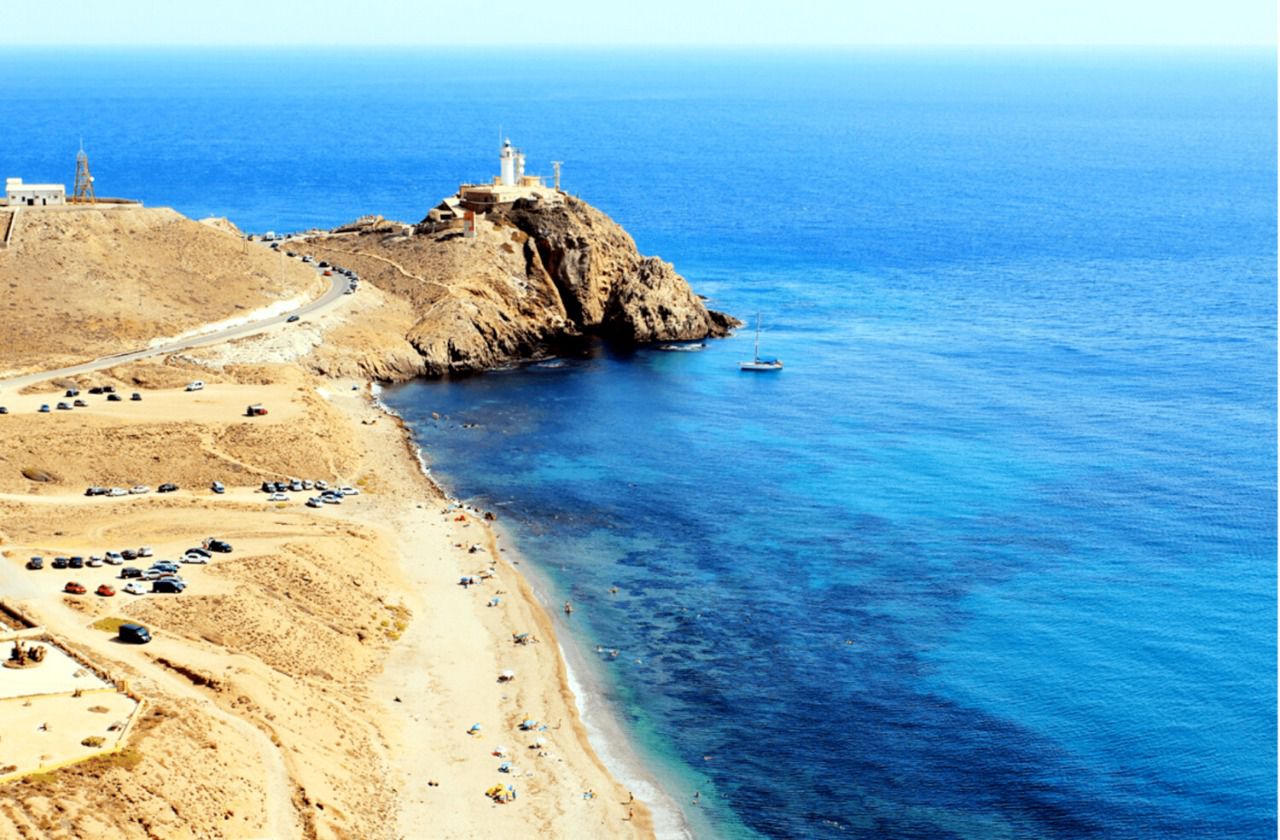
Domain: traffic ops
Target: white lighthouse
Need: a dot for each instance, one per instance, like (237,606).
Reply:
(508,159)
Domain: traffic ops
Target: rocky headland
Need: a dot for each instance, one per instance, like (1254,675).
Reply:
(538,277)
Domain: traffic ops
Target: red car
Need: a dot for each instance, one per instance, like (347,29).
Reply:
(104,590)
(73,588)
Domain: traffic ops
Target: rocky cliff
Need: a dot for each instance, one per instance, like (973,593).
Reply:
(537,276)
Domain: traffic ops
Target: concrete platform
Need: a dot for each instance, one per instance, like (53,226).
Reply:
(58,674)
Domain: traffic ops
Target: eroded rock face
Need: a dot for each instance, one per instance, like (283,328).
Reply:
(607,286)
(535,276)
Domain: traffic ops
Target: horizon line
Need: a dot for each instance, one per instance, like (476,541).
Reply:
(544,47)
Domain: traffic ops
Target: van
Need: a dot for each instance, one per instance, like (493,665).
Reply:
(195,386)
(134,634)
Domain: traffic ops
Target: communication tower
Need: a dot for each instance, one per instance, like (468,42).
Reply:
(555,164)
(84,181)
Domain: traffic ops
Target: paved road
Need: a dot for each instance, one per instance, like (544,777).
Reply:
(338,285)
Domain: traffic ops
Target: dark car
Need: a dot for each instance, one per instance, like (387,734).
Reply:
(35,563)
(3,410)
(280,486)
(64,406)
(44,408)
(80,404)
(130,572)
(199,551)
(292,318)
(167,487)
(168,585)
(134,634)
(96,389)
(108,389)
(129,554)
(136,397)
(73,392)
(268,487)
(220,546)
(166,566)
(60,562)
(113,398)
(323,264)
(93,491)
(76,562)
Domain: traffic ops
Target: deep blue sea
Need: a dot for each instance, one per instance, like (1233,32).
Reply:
(993,557)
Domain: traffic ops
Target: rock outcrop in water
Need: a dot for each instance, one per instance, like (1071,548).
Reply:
(537,276)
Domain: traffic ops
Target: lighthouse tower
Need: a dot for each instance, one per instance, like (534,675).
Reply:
(508,159)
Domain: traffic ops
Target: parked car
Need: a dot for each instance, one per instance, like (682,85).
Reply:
(277,497)
(198,385)
(330,499)
(96,389)
(351,290)
(35,563)
(139,489)
(64,406)
(136,397)
(94,562)
(60,562)
(112,559)
(195,559)
(324,264)
(171,585)
(95,491)
(198,551)
(135,588)
(313,502)
(280,487)
(105,591)
(3,410)
(255,410)
(44,408)
(328,273)
(75,563)
(321,484)
(307,484)
(168,487)
(220,546)
(165,566)
(80,404)
(117,491)
(129,554)
(295,486)
(108,389)
(268,487)
(348,491)
(219,487)
(73,588)
(130,572)
(144,551)
(133,634)
(292,318)
(72,392)
(113,398)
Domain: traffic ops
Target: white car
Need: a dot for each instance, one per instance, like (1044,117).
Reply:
(348,491)
(277,497)
(93,562)
(139,489)
(195,559)
(117,491)
(195,386)
(133,587)
(112,558)
(313,502)
(145,551)
(331,500)
(321,484)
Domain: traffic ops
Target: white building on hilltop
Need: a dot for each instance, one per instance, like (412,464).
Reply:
(509,185)
(18,194)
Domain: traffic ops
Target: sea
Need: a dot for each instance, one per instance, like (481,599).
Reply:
(994,556)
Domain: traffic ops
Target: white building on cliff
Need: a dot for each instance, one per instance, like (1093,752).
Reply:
(511,183)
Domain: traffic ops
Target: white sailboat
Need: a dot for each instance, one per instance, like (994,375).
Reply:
(757,363)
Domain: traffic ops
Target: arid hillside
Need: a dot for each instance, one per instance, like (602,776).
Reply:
(82,283)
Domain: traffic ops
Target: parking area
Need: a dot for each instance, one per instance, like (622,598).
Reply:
(213,403)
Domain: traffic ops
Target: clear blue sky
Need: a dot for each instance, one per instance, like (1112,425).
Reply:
(649,22)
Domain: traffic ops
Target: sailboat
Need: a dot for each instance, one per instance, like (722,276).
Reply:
(757,363)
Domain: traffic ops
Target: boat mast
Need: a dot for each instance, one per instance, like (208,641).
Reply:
(757,356)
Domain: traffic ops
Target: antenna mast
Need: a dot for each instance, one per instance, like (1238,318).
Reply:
(555,164)
(84,181)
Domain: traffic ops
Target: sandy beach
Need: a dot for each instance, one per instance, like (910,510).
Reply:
(330,677)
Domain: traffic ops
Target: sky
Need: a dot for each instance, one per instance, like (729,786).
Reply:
(604,23)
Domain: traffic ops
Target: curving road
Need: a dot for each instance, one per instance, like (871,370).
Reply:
(337,287)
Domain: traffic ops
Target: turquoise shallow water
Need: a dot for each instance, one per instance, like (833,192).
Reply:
(994,556)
